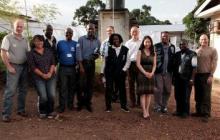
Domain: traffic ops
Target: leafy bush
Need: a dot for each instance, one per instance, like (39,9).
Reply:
(2,66)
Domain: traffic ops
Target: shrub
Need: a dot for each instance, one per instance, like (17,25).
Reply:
(2,66)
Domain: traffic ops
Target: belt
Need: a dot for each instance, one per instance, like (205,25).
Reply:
(62,65)
(88,61)
(19,64)
(202,74)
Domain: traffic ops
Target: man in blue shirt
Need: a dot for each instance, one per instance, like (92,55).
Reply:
(66,52)
(87,52)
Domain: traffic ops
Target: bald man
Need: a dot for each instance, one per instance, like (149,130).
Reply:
(133,45)
(66,52)
(207,62)
(13,53)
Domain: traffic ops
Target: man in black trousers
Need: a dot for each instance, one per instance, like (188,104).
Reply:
(116,65)
(185,63)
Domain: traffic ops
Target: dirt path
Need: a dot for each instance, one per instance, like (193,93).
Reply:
(116,125)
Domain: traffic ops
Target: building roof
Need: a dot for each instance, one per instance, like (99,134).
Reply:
(208,8)
(161,28)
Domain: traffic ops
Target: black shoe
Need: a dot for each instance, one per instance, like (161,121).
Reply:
(60,110)
(22,114)
(108,110)
(79,108)
(89,108)
(184,115)
(164,110)
(52,115)
(157,109)
(176,114)
(196,114)
(205,119)
(71,108)
(125,109)
(42,116)
(6,119)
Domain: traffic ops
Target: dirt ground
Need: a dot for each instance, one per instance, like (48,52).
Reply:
(116,125)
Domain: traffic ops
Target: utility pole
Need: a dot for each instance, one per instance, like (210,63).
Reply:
(25,4)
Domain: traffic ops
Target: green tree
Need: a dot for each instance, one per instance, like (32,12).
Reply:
(88,12)
(195,26)
(143,16)
(45,13)
(9,10)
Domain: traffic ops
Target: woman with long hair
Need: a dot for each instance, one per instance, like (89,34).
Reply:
(146,63)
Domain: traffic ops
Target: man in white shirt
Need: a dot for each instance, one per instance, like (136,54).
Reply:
(133,45)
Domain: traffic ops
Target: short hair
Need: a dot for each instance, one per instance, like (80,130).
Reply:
(69,29)
(18,20)
(184,41)
(113,28)
(166,32)
(111,38)
(151,47)
(90,24)
(49,25)
(39,37)
(205,35)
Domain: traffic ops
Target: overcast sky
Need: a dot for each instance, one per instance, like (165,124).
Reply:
(173,10)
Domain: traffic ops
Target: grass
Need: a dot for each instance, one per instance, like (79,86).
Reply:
(98,65)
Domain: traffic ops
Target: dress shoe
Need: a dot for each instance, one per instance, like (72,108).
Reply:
(196,114)
(52,115)
(108,110)
(184,115)
(125,109)
(60,110)
(6,119)
(89,108)
(176,114)
(22,114)
(164,110)
(205,119)
(79,108)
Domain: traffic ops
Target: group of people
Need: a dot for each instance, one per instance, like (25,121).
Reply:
(151,70)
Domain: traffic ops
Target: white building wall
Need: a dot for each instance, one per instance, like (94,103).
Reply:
(121,23)
(215,42)
(38,28)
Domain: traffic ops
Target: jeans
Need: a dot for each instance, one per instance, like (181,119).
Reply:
(15,82)
(46,91)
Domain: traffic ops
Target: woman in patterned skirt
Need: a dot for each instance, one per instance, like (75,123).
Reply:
(146,63)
